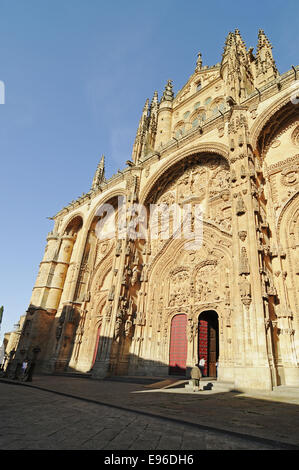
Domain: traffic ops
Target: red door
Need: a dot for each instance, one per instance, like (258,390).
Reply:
(178,345)
(208,341)
(203,344)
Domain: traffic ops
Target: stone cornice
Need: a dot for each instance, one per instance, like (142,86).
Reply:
(277,167)
(54,261)
(45,286)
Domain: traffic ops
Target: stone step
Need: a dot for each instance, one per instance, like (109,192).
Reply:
(143,380)
(212,385)
(80,375)
(287,391)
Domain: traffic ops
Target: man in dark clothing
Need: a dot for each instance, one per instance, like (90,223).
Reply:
(195,376)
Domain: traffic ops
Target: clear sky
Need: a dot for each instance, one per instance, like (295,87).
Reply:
(76,75)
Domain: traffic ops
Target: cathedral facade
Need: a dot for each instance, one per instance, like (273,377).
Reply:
(119,292)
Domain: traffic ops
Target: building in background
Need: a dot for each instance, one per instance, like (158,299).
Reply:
(227,142)
(11,342)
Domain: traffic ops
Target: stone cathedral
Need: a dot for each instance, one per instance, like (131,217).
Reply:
(153,306)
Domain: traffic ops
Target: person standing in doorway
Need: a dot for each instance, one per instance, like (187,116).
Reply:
(24,367)
(202,363)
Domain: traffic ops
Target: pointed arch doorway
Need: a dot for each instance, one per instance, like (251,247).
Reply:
(208,341)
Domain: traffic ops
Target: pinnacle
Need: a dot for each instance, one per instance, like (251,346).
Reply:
(198,62)
(155,98)
(168,92)
(146,105)
(228,42)
(262,39)
(99,174)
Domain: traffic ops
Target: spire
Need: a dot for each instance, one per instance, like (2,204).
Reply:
(154,103)
(154,107)
(266,69)
(143,123)
(168,92)
(153,120)
(99,176)
(141,132)
(234,44)
(145,109)
(227,45)
(239,40)
(236,67)
(263,40)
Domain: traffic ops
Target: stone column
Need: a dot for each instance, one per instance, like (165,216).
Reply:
(192,341)
(252,367)
(57,279)
(164,117)
(107,348)
(41,287)
(58,276)
(287,362)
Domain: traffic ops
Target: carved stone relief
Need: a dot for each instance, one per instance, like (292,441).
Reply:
(179,288)
(207,283)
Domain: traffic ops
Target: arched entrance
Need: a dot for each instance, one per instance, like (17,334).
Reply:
(178,345)
(208,341)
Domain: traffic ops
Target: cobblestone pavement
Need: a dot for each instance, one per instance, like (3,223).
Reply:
(74,413)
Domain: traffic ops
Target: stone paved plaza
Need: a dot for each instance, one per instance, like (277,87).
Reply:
(57,413)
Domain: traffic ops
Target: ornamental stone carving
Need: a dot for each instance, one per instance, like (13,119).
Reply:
(245,291)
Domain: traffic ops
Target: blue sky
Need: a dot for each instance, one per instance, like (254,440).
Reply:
(76,77)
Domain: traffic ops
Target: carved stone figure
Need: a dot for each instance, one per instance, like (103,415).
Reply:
(240,208)
(111,293)
(198,62)
(128,327)
(245,291)
(244,264)
(190,332)
(135,275)
(118,248)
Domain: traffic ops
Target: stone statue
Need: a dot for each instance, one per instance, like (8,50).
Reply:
(135,276)
(198,62)
(245,291)
(128,327)
(240,209)
(244,265)
(190,331)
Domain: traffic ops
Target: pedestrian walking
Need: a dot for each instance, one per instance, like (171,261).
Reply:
(195,376)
